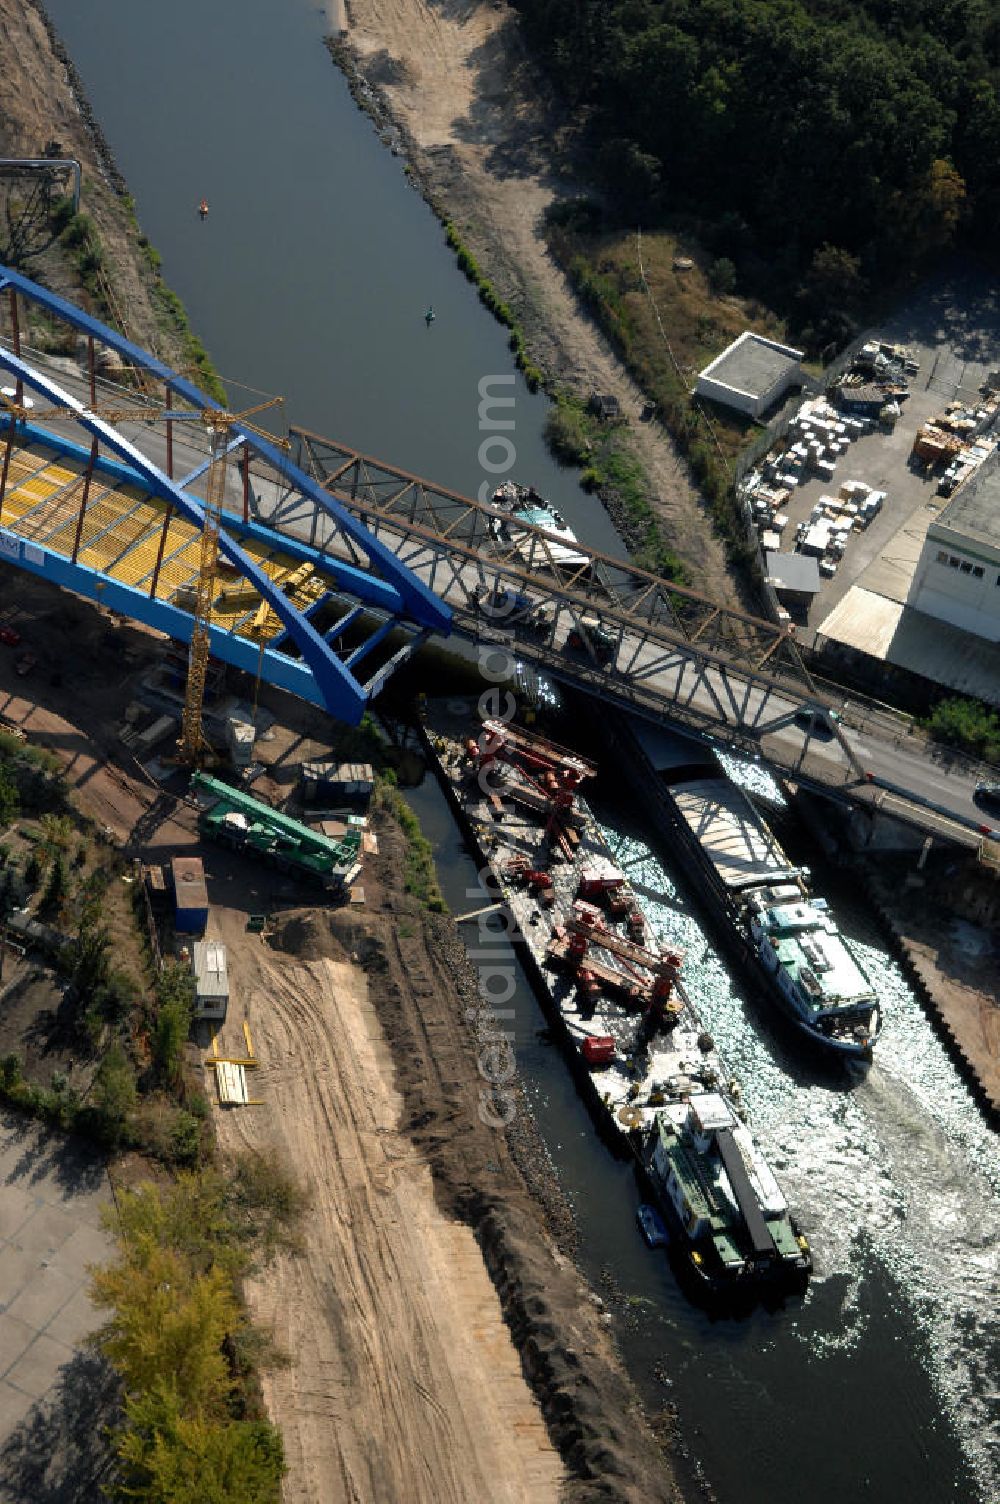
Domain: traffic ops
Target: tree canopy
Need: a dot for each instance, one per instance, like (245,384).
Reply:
(868,127)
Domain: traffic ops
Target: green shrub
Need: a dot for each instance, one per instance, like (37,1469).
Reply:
(114,1091)
(566,432)
(968,724)
(172,1023)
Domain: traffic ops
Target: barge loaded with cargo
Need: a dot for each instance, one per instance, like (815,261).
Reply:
(651,1073)
(778,929)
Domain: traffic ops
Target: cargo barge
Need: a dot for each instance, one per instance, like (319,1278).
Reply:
(651,1073)
(773,924)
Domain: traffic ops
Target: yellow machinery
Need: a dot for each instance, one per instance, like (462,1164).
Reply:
(193,748)
(193,745)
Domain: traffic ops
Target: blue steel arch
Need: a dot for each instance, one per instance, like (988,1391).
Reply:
(395,590)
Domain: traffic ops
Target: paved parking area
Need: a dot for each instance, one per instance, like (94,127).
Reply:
(952,327)
(53,1393)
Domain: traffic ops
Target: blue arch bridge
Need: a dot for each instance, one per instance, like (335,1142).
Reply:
(102,488)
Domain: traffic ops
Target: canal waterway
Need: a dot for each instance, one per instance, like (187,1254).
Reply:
(316,265)
(881,1382)
(311,278)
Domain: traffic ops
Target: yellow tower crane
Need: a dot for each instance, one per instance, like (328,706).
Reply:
(194,745)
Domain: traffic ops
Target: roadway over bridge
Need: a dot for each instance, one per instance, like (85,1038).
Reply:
(359,562)
(674,655)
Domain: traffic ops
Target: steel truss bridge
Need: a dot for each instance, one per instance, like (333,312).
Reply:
(674,654)
(358,562)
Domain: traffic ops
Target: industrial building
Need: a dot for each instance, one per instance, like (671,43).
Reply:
(957,579)
(751,374)
(794,578)
(211,979)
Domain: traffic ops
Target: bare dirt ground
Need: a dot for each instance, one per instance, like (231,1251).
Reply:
(407,1360)
(456,78)
(440,1346)
(403,1382)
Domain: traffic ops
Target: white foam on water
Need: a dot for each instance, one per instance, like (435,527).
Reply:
(899,1169)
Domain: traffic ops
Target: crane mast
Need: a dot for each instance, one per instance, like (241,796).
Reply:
(194,745)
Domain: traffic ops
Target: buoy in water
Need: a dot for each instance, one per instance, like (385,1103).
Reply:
(203,208)
(429,317)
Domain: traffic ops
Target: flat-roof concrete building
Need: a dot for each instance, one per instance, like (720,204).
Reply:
(751,375)
(794,578)
(957,578)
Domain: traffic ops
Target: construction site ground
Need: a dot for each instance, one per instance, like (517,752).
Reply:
(439,1346)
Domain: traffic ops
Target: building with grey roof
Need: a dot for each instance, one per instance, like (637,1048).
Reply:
(957,578)
(211,979)
(751,374)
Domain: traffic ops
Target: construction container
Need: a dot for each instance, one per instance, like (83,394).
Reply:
(351,782)
(598,1049)
(190,894)
(240,739)
(211,979)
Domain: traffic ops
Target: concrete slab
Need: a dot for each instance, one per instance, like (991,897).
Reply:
(42,1297)
(15,1338)
(16,1269)
(37,1368)
(77,1319)
(85,1245)
(52,1191)
(43,1234)
(16,1206)
(15,1406)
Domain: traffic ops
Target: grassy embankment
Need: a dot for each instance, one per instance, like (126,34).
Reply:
(599,450)
(80,241)
(665,329)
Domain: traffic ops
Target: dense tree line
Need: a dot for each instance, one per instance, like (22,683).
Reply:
(825,141)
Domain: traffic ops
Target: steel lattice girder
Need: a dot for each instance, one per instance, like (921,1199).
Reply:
(444,533)
(380,580)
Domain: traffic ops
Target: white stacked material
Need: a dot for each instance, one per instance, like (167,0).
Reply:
(231,1083)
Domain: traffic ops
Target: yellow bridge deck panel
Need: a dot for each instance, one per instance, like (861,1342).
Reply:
(122,533)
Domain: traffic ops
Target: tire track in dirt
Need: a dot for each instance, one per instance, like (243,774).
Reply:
(403,1382)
